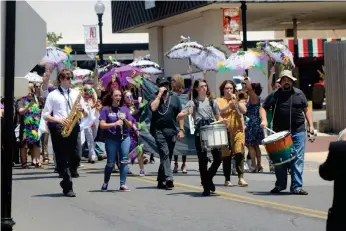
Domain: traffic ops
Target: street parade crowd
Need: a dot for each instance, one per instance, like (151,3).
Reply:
(77,117)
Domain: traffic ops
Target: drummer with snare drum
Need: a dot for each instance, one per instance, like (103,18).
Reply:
(204,109)
(233,110)
(290,109)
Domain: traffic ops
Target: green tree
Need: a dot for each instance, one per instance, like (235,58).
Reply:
(52,37)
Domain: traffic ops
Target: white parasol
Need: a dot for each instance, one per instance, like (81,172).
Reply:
(81,72)
(241,61)
(185,49)
(209,57)
(54,55)
(147,66)
(278,52)
(33,77)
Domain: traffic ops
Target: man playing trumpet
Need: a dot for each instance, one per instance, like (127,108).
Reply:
(233,109)
(58,111)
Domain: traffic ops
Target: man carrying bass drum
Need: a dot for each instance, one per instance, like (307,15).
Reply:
(290,108)
(204,110)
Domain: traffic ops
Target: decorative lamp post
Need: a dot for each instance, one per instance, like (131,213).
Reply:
(100,9)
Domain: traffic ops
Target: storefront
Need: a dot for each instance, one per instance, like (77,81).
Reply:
(203,21)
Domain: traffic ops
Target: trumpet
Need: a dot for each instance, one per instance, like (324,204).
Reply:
(242,95)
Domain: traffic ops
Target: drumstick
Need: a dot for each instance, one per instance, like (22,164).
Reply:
(270,130)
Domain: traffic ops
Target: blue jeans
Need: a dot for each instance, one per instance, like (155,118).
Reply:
(296,165)
(98,149)
(113,146)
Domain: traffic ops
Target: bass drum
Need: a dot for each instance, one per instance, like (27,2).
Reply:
(279,147)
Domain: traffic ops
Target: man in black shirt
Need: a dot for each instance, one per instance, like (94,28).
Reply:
(290,109)
(165,108)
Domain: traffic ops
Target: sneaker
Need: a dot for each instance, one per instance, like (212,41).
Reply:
(228,184)
(161,185)
(70,193)
(169,185)
(104,187)
(277,190)
(242,183)
(206,193)
(124,188)
(300,192)
(141,172)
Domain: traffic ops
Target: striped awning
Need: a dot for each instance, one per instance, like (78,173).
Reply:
(309,47)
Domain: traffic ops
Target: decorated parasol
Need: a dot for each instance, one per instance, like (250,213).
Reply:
(209,57)
(119,74)
(185,49)
(278,52)
(113,63)
(83,75)
(33,77)
(146,65)
(56,57)
(238,62)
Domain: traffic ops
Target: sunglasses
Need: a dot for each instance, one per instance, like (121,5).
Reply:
(129,97)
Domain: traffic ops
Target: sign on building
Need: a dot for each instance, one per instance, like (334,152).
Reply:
(231,28)
(91,40)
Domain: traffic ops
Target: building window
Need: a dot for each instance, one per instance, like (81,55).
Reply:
(149,4)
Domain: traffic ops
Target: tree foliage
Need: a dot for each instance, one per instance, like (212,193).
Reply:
(53,38)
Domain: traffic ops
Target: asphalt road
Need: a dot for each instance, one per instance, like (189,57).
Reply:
(39,205)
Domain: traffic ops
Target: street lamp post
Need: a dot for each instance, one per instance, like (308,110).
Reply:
(7,222)
(100,9)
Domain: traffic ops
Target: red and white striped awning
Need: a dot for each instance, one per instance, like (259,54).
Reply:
(309,47)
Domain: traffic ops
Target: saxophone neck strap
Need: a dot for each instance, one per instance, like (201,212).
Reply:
(68,96)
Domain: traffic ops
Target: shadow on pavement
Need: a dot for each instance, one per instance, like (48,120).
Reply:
(191,194)
(100,191)
(269,194)
(147,187)
(35,177)
(53,195)
(31,173)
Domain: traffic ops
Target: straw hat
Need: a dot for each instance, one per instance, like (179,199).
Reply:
(286,73)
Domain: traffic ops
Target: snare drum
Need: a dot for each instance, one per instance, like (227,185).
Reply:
(214,136)
(279,147)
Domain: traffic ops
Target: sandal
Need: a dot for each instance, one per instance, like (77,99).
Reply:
(38,165)
(25,165)
(45,161)
(175,170)
(183,168)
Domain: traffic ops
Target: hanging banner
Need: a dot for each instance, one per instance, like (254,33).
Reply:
(231,28)
(91,40)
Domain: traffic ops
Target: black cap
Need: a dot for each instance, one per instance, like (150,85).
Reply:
(161,81)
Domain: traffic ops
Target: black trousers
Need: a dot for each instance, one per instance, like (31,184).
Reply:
(66,154)
(335,219)
(165,144)
(206,174)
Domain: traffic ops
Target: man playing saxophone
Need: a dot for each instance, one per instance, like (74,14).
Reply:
(62,109)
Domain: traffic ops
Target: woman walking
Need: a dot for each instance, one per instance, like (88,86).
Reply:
(116,119)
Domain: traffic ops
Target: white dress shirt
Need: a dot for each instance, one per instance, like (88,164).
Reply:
(57,103)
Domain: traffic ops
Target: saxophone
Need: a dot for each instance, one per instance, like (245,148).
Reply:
(72,118)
